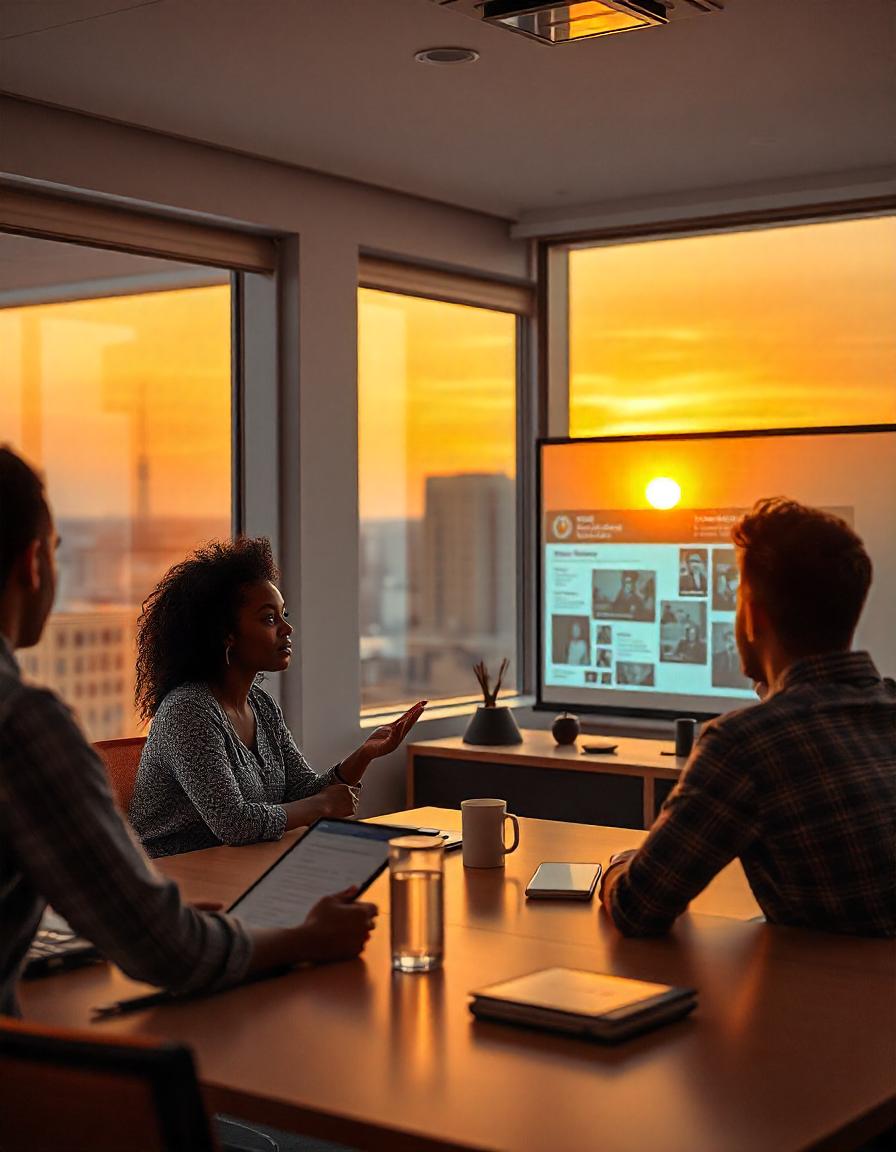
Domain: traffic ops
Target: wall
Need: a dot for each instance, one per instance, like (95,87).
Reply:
(328,220)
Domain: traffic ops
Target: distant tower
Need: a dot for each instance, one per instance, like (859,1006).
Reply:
(142,456)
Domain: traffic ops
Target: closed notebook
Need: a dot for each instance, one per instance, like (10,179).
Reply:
(583,1003)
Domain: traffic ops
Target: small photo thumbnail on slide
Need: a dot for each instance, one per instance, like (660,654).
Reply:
(603,658)
(693,572)
(635,672)
(570,642)
(623,594)
(725,579)
(604,634)
(590,677)
(726,670)
(682,632)
(606,677)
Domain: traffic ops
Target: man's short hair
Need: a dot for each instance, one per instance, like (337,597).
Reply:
(810,571)
(23,509)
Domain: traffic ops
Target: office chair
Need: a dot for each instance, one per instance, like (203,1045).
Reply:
(122,758)
(73,1090)
(70,1090)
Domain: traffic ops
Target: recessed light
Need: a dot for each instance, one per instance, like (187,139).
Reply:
(446,56)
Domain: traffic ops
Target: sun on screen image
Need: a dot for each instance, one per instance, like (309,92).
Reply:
(662,492)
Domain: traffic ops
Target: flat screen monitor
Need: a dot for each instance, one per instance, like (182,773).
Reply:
(637,600)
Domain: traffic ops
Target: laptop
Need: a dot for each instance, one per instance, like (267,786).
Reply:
(56,948)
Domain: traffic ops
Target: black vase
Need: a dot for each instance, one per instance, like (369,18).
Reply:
(492,726)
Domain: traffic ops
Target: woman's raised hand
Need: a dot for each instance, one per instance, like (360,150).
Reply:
(388,737)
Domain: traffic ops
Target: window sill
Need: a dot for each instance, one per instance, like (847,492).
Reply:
(442,709)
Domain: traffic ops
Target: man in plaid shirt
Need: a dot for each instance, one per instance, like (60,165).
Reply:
(801,787)
(62,838)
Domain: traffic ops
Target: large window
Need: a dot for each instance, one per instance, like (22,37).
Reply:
(437,465)
(775,327)
(123,402)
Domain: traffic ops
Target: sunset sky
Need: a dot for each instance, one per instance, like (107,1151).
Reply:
(436,395)
(71,379)
(786,326)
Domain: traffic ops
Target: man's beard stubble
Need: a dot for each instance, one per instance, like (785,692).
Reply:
(749,658)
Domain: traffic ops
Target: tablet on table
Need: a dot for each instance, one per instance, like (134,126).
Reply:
(331,856)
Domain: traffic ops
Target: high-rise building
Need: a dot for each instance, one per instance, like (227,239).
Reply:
(107,567)
(469,563)
(88,655)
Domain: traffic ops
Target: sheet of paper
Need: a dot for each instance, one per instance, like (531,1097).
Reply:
(327,860)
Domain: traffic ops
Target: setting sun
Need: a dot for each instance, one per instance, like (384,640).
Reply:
(663,493)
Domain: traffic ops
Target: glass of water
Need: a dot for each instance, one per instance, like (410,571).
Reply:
(417,908)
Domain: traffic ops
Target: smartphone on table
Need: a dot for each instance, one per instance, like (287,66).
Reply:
(563,881)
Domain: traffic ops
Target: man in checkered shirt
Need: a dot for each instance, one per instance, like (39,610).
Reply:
(802,786)
(62,838)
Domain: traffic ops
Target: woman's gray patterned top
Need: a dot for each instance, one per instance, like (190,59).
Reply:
(198,785)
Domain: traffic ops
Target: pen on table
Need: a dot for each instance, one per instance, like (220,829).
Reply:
(134,1004)
(151,999)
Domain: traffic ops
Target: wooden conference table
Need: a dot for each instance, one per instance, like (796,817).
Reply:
(792,1046)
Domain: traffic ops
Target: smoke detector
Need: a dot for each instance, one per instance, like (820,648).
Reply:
(550,22)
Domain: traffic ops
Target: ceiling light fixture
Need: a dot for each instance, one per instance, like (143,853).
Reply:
(446,56)
(549,22)
(554,23)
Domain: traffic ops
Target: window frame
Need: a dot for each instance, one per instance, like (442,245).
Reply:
(246,259)
(98,223)
(518,298)
(553,264)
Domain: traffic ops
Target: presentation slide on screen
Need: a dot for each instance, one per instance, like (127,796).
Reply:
(638,604)
(643,600)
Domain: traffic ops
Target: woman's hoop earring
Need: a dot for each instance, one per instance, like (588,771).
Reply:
(227,654)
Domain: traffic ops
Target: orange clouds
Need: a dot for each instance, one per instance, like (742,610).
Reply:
(87,385)
(763,329)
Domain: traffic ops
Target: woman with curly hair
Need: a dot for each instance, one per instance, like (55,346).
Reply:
(220,766)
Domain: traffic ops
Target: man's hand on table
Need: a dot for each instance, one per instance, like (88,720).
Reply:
(613,871)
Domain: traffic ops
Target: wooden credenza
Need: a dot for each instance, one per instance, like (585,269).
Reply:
(539,778)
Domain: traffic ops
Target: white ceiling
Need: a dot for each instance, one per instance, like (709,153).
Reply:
(766,90)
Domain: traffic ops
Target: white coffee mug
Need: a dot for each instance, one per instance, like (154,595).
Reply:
(483,833)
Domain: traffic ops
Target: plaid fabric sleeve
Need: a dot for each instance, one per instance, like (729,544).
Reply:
(77,852)
(708,819)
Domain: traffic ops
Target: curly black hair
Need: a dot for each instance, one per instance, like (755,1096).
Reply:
(185,620)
